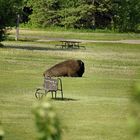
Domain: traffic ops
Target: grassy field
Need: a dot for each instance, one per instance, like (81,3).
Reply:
(34,34)
(96,106)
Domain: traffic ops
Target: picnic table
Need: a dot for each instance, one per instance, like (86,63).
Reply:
(69,44)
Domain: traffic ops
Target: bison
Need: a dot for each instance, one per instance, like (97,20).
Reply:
(69,68)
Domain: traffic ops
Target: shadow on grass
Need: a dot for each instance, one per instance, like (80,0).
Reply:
(64,99)
(37,48)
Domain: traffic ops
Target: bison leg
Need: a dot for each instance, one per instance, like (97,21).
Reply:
(74,75)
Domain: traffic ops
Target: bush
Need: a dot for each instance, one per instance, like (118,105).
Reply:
(135,118)
(47,122)
(1,132)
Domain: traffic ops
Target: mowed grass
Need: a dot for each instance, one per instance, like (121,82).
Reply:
(49,33)
(96,106)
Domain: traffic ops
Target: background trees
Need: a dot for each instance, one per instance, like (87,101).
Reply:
(45,12)
(126,15)
(8,13)
(121,15)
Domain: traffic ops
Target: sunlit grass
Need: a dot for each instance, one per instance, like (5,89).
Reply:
(96,105)
(75,35)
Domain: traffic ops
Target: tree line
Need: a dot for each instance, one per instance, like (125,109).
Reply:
(120,15)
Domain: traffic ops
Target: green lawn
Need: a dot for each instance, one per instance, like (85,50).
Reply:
(34,34)
(96,106)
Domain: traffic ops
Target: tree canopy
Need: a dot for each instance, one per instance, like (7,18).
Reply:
(8,13)
(126,15)
(121,15)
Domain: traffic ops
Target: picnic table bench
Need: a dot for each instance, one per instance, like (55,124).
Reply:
(50,85)
(69,44)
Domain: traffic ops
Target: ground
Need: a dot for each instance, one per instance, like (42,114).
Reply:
(96,106)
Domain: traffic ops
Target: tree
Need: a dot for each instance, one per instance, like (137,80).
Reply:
(88,14)
(8,13)
(122,15)
(126,15)
(103,13)
(78,17)
(44,12)
(77,13)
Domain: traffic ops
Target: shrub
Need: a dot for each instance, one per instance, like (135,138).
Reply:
(135,118)
(47,122)
(1,132)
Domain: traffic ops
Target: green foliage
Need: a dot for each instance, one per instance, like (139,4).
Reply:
(135,120)
(137,93)
(75,14)
(1,132)
(127,15)
(78,17)
(47,121)
(44,12)
(103,14)
(8,13)
(122,15)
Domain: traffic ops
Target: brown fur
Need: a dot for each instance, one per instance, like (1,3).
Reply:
(69,68)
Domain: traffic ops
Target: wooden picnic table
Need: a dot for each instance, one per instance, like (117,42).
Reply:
(69,44)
